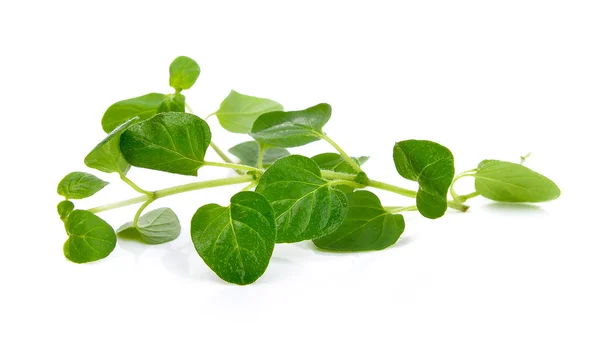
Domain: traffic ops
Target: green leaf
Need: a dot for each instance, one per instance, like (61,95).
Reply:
(157,226)
(238,112)
(509,182)
(236,242)
(80,185)
(143,107)
(183,73)
(306,206)
(291,129)
(335,162)
(368,226)
(90,237)
(64,208)
(172,103)
(430,164)
(248,152)
(107,156)
(173,142)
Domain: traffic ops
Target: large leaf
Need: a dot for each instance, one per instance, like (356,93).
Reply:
(510,182)
(80,185)
(430,164)
(107,156)
(143,107)
(306,206)
(90,237)
(157,226)
(293,128)
(248,152)
(172,103)
(367,226)
(183,73)
(238,112)
(172,142)
(236,242)
(335,162)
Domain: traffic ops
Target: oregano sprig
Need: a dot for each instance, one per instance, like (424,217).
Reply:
(283,197)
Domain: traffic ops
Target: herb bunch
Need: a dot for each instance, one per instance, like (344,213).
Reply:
(287,198)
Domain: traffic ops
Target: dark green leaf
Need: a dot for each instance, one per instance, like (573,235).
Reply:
(238,112)
(368,226)
(157,226)
(64,208)
(172,103)
(183,73)
(80,185)
(306,205)
(293,128)
(510,182)
(335,162)
(432,165)
(143,107)
(171,141)
(90,237)
(107,156)
(236,242)
(248,153)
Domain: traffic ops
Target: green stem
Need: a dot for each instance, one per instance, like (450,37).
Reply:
(252,184)
(239,167)
(398,209)
(337,175)
(466,197)
(391,188)
(189,108)
(344,155)
(453,193)
(524,158)
(220,152)
(261,155)
(119,204)
(347,183)
(133,185)
(136,218)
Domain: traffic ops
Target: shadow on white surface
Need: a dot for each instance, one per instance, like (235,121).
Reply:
(517,209)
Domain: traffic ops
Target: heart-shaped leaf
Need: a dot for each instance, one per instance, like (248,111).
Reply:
(236,242)
(183,73)
(509,182)
(430,164)
(293,128)
(155,227)
(143,107)
(107,156)
(80,185)
(367,226)
(172,103)
(248,153)
(306,205)
(64,208)
(171,142)
(238,112)
(90,237)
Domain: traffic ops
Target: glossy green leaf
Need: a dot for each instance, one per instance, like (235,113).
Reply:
(171,142)
(510,182)
(306,206)
(155,227)
(172,103)
(80,185)
(367,226)
(90,237)
(430,164)
(64,208)
(238,112)
(293,128)
(142,107)
(335,162)
(107,156)
(248,152)
(236,242)
(183,73)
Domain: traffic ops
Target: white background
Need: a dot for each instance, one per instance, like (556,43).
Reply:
(488,79)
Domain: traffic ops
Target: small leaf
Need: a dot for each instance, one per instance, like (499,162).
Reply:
(236,242)
(368,226)
(107,156)
(335,162)
(90,237)
(306,206)
(157,226)
(173,142)
(64,208)
(80,185)
(291,129)
(430,164)
(183,73)
(509,182)
(238,112)
(247,152)
(143,107)
(172,103)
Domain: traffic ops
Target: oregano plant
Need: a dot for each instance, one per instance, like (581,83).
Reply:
(283,198)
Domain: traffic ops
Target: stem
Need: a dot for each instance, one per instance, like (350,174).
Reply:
(455,195)
(391,188)
(189,108)
(524,158)
(466,197)
(344,155)
(136,218)
(239,167)
(398,209)
(252,184)
(458,206)
(220,152)
(118,204)
(347,183)
(337,175)
(133,185)
(261,154)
